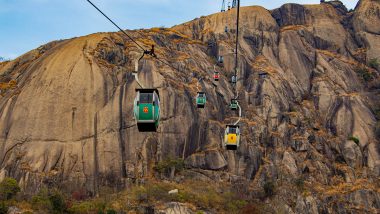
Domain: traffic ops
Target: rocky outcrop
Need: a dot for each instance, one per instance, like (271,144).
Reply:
(367,30)
(175,208)
(69,121)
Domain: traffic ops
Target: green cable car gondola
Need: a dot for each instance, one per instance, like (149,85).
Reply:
(232,137)
(201,99)
(234,104)
(147,109)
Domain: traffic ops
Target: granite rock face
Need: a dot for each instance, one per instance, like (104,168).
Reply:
(69,120)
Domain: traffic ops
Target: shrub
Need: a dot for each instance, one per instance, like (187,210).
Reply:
(3,207)
(41,201)
(377,130)
(377,114)
(364,73)
(167,165)
(374,63)
(300,183)
(234,206)
(269,189)
(54,202)
(79,195)
(58,202)
(98,205)
(356,140)
(8,188)
(84,207)
(111,211)
(151,192)
(250,209)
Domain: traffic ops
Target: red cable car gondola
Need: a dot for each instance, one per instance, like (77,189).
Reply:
(216,76)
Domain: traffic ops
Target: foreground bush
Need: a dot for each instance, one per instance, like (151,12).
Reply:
(8,189)
(52,202)
(201,194)
(3,207)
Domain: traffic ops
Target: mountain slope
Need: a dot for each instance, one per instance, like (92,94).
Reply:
(69,122)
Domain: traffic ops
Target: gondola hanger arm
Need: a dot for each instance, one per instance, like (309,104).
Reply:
(238,121)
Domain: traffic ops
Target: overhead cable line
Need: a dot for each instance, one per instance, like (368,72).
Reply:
(151,52)
(145,51)
(116,25)
(237,38)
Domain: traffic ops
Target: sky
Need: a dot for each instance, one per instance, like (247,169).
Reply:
(27,24)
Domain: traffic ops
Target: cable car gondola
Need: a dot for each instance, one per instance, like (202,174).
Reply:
(147,109)
(220,60)
(233,80)
(216,76)
(201,99)
(232,137)
(234,104)
(263,75)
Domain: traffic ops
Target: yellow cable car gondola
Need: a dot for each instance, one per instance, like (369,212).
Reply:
(232,137)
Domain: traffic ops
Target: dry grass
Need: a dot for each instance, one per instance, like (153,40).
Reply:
(147,42)
(261,63)
(167,31)
(275,134)
(181,56)
(345,188)
(155,30)
(299,137)
(338,57)
(195,194)
(196,42)
(3,64)
(360,52)
(9,85)
(291,28)
(249,122)
(5,86)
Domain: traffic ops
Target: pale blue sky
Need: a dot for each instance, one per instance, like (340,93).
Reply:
(27,24)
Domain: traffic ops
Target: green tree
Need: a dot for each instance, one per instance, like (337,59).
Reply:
(8,188)
(58,202)
(167,165)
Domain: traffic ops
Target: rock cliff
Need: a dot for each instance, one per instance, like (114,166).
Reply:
(312,117)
